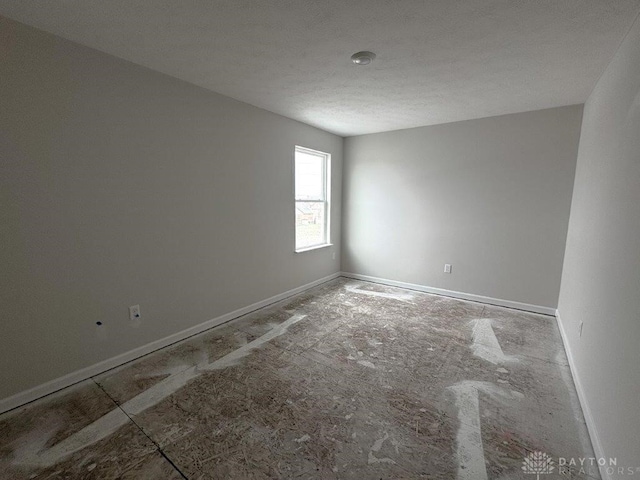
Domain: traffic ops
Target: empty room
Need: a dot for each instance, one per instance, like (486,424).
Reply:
(306,239)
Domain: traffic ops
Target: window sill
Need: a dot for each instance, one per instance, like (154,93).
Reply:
(315,247)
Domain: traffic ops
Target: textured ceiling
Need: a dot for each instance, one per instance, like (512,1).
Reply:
(437,61)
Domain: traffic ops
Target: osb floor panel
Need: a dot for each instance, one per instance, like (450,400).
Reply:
(350,380)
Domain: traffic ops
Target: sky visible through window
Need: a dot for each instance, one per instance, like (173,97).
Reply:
(309,178)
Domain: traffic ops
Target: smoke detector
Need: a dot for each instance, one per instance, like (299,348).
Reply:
(363,58)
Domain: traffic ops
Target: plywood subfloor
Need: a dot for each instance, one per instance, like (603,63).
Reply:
(350,380)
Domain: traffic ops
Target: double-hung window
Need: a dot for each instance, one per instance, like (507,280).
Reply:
(312,175)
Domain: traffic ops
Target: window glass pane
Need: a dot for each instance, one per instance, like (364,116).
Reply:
(311,184)
(309,176)
(310,224)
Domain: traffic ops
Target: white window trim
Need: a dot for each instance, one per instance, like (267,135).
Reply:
(326,166)
(316,247)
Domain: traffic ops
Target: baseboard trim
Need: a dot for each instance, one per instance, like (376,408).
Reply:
(72,378)
(588,417)
(452,293)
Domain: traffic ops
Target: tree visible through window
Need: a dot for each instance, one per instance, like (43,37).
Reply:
(312,198)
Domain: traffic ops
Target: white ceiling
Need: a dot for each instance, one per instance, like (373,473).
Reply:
(437,61)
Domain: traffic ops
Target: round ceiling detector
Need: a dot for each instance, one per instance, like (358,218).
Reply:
(363,58)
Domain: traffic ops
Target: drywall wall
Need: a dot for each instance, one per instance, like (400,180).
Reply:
(491,197)
(122,186)
(601,275)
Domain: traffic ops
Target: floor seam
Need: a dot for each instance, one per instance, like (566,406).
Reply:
(159,449)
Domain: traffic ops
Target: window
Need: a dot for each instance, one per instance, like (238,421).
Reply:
(312,174)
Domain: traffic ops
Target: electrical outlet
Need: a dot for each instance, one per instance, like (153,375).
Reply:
(134,312)
(447,268)
(580,329)
(334,256)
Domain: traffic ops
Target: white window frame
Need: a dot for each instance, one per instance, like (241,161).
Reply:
(326,199)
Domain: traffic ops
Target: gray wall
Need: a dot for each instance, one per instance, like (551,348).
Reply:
(489,196)
(601,276)
(122,186)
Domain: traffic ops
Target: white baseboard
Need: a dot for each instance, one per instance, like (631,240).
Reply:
(452,293)
(72,378)
(588,417)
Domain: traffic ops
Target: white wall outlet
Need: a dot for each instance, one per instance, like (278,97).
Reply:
(334,255)
(580,329)
(447,268)
(134,312)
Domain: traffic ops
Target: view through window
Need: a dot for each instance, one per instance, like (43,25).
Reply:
(312,198)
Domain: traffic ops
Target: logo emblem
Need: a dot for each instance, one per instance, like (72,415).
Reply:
(537,463)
